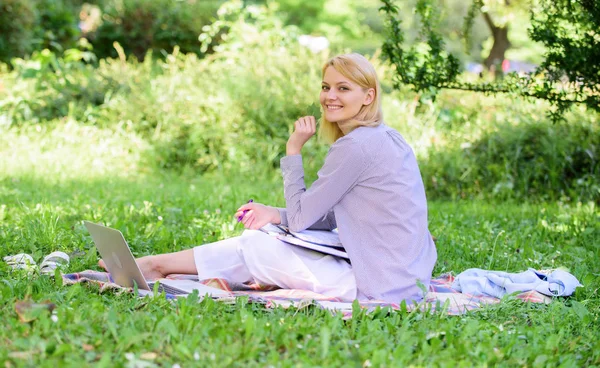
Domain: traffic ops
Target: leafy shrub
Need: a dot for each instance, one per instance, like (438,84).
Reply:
(533,159)
(208,113)
(28,25)
(142,25)
(202,113)
(57,24)
(47,87)
(17,18)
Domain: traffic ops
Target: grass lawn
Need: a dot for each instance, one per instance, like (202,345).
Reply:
(168,212)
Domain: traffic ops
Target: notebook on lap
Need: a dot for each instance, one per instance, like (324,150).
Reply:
(326,242)
(125,271)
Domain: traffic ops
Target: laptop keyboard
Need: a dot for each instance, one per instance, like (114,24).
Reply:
(167,289)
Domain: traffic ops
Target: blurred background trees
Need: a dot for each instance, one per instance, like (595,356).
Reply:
(27,25)
(138,25)
(214,85)
(142,25)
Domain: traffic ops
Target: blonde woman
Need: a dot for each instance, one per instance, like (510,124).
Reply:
(369,188)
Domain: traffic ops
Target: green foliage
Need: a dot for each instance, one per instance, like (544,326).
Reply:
(336,19)
(569,30)
(347,24)
(566,28)
(54,87)
(301,13)
(426,64)
(520,161)
(157,25)
(57,24)
(17,18)
(30,25)
(196,112)
(493,147)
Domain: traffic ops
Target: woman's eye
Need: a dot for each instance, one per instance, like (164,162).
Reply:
(344,89)
(324,88)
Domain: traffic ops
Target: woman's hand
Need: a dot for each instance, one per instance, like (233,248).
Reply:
(258,215)
(304,128)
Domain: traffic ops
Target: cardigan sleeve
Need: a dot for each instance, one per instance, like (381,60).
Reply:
(326,223)
(340,172)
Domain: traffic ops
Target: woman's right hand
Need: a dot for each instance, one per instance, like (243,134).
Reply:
(304,129)
(257,215)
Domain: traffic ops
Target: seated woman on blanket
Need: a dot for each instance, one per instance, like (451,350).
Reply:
(369,187)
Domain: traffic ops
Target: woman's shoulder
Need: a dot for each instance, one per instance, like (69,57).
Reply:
(374,141)
(360,141)
(366,135)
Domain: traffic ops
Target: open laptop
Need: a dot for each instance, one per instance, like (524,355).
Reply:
(125,271)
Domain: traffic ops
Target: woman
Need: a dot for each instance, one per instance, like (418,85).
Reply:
(369,187)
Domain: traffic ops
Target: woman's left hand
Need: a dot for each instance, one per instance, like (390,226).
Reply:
(304,129)
(257,215)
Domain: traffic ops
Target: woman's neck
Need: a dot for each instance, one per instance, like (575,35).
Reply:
(347,126)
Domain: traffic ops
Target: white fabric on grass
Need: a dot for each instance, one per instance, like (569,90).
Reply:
(476,281)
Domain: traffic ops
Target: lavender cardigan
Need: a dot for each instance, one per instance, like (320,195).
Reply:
(370,188)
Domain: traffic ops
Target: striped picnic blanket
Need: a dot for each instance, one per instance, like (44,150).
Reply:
(441,297)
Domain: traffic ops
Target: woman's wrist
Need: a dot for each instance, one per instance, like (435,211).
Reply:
(291,150)
(276,216)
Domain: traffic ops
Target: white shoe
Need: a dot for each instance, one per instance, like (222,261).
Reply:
(21,261)
(53,261)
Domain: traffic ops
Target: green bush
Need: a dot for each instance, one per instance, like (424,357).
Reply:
(206,113)
(57,24)
(46,87)
(17,19)
(142,25)
(535,159)
(26,26)
(202,113)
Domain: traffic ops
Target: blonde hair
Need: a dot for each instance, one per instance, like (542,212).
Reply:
(358,70)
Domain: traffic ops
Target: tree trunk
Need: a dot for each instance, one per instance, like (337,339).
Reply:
(500,45)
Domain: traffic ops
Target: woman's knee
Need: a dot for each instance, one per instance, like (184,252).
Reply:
(258,242)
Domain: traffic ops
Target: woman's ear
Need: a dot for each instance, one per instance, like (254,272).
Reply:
(370,96)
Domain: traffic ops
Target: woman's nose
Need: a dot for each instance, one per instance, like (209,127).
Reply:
(331,94)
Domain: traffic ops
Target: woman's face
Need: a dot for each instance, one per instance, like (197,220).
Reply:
(342,99)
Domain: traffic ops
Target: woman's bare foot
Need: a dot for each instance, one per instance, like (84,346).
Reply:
(148,266)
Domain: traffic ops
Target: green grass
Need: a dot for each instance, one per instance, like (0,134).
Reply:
(42,211)
(54,176)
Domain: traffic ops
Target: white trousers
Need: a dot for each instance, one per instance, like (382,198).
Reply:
(257,257)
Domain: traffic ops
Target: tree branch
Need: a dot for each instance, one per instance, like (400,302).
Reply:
(490,22)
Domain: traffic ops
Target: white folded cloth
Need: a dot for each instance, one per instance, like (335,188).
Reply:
(476,281)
